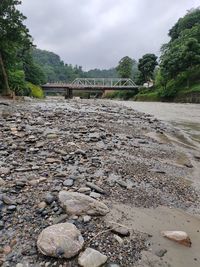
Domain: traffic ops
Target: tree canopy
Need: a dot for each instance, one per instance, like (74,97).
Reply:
(15,40)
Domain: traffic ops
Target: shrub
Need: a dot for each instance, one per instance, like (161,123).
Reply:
(36,91)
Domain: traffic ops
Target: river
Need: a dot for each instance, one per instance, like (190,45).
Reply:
(184,116)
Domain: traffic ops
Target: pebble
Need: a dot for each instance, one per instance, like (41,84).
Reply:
(49,199)
(68,182)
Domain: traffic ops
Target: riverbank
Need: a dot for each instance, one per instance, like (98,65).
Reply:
(128,160)
(185,95)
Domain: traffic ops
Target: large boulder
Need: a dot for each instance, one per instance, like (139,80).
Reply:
(79,204)
(60,240)
(91,258)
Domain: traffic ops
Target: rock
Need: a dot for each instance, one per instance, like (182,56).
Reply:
(91,258)
(2,182)
(95,195)
(79,204)
(122,231)
(68,182)
(11,208)
(4,170)
(160,253)
(95,187)
(20,265)
(178,236)
(52,160)
(118,239)
(112,265)
(1,225)
(60,240)
(42,205)
(7,200)
(49,199)
(52,136)
(86,218)
(60,219)
(85,190)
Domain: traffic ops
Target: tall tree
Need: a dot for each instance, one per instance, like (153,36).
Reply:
(14,38)
(147,66)
(125,67)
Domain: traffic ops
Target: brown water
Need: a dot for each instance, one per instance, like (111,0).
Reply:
(184,116)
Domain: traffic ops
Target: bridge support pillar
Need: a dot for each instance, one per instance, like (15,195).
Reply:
(68,93)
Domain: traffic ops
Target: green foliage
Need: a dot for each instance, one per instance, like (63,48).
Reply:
(148,96)
(33,72)
(191,19)
(147,66)
(54,68)
(180,59)
(15,39)
(125,67)
(35,91)
(17,81)
(97,73)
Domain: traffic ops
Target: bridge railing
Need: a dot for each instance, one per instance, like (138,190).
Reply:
(104,82)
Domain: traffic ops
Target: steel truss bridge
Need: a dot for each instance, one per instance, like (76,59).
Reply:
(90,84)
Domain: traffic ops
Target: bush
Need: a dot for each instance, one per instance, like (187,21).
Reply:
(17,81)
(36,91)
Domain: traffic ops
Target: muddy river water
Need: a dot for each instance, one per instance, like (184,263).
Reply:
(183,116)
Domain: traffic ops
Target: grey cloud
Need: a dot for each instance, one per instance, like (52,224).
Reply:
(97,33)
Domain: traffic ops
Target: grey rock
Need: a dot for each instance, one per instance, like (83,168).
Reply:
(68,182)
(91,258)
(49,198)
(160,253)
(11,208)
(79,204)
(95,195)
(60,240)
(95,187)
(7,200)
(122,231)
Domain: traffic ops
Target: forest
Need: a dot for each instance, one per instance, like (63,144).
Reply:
(23,67)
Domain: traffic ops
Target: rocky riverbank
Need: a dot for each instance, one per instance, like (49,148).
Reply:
(76,162)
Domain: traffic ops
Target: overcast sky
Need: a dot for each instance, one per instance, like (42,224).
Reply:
(98,33)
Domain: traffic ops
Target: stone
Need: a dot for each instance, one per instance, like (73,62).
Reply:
(7,200)
(86,218)
(120,230)
(160,253)
(4,170)
(2,182)
(68,182)
(52,136)
(62,240)
(42,205)
(79,204)
(178,236)
(95,195)
(91,258)
(11,208)
(49,198)
(85,190)
(112,265)
(118,239)
(95,187)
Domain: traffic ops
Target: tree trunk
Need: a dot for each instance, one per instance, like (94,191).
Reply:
(6,89)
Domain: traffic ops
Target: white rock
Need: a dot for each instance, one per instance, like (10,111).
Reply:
(91,258)
(79,204)
(178,236)
(61,240)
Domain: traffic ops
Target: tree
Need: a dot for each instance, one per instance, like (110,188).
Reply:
(147,66)
(125,67)
(191,19)
(14,39)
